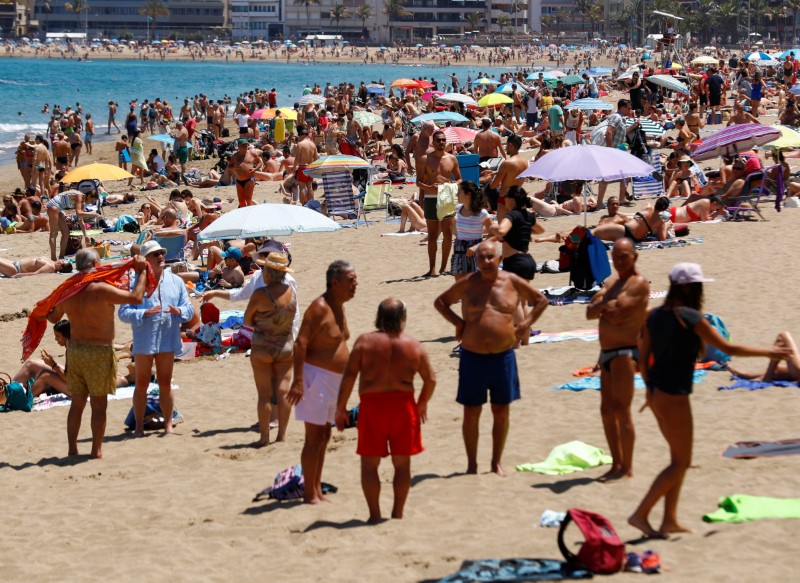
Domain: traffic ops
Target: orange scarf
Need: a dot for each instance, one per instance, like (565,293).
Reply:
(116,274)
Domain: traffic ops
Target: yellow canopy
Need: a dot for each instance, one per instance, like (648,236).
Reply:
(96,171)
(494,99)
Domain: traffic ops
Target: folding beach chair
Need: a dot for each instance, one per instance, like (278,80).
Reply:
(339,198)
(650,186)
(377,196)
(750,199)
(468,164)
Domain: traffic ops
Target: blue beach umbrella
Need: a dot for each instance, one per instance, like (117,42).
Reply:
(590,104)
(546,75)
(598,71)
(440,116)
(164,138)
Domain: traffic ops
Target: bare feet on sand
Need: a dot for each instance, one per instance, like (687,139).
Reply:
(615,474)
(643,525)
(498,469)
(668,528)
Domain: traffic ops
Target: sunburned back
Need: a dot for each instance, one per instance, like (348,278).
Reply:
(91,317)
(488,309)
(328,348)
(389,362)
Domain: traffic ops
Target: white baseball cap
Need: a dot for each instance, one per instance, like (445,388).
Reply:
(687,273)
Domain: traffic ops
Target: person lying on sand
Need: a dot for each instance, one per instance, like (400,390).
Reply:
(705,209)
(777,371)
(33,266)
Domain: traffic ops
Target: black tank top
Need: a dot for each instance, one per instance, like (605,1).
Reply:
(519,236)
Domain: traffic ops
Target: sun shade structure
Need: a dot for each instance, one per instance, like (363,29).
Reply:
(267,220)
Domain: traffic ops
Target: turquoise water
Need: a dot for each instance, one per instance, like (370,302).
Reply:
(27,84)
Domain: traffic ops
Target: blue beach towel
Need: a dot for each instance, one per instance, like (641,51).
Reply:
(740,383)
(514,571)
(593,383)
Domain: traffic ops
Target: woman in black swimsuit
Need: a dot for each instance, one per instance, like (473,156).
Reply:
(646,222)
(673,338)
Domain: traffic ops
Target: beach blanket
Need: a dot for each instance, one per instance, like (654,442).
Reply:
(740,383)
(514,571)
(116,274)
(405,234)
(745,450)
(668,244)
(45,402)
(547,337)
(232,319)
(593,383)
(744,508)
(568,294)
(574,456)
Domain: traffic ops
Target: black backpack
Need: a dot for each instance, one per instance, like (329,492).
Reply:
(637,142)
(580,271)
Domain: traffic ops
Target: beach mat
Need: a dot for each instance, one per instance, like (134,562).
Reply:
(574,456)
(547,337)
(45,402)
(745,450)
(744,508)
(668,244)
(740,383)
(514,571)
(593,383)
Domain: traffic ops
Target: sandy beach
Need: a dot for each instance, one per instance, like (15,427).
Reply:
(181,506)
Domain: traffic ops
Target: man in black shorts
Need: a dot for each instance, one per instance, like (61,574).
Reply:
(716,85)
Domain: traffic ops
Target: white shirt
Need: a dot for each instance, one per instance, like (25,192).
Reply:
(255,282)
(242,119)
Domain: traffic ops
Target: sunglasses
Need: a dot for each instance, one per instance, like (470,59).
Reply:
(440,140)
(158,253)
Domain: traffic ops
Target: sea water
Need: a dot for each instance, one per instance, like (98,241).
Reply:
(27,84)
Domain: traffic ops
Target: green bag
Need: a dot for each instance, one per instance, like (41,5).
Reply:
(15,396)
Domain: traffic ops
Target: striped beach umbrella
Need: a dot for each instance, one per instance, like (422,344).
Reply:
(650,127)
(457,98)
(456,135)
(311,98)
(734,139)
(335,163)
(441,117)
(590,104)
(669,82)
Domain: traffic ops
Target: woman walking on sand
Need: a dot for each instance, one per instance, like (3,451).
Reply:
(673,337)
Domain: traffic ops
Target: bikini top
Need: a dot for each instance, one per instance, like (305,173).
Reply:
(644,220)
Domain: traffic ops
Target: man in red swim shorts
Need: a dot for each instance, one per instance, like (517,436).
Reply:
(389,418)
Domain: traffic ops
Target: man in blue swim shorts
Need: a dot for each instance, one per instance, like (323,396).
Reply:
(491,326)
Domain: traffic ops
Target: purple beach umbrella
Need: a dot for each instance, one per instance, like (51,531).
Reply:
(735,139)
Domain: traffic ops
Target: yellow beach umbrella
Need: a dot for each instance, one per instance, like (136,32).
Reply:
(96,171)
(789,138)
(494,99)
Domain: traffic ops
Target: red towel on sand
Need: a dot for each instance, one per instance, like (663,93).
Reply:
(115,274)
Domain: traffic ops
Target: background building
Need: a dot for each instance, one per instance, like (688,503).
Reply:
(256,19)
(354,20)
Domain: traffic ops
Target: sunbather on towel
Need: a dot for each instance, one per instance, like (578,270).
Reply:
(777,371)
(704,209)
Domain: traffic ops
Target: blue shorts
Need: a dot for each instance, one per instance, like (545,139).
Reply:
(531,120)
(496,373)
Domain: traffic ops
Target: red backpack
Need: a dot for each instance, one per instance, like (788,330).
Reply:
(603,552)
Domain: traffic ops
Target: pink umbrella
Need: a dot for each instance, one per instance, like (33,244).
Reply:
(427,96)
(457,135)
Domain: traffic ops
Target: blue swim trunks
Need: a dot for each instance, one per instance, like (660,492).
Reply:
(496,373)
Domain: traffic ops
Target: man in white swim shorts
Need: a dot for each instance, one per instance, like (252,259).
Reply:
(320,357)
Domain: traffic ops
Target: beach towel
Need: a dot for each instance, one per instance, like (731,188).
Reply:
(744,508)
(232,319)
(740,383)
(116,274)
(446,200)
(568,294)
(44,402)
(593,383)
(745,450)
(514,571)
(574,456)
(547,337)
(668,244)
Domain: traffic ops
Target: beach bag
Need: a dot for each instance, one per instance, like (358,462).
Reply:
(15,396)
(598,259)
(713,354)
(288,484)
(580,272)
(153,417)
(603,552)
(446,200)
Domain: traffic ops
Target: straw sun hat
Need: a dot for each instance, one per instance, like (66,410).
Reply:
(276,261)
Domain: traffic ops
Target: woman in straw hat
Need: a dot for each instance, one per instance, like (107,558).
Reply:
(271,312)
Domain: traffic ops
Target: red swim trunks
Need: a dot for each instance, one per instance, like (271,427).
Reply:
(301,175)
(388,421)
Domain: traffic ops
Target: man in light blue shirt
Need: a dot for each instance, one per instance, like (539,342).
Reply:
(156,325)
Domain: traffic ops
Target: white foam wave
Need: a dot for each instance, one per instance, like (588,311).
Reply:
(13,128)
(21,83)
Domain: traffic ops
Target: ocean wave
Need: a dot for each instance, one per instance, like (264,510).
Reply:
(22,83)
(21,128)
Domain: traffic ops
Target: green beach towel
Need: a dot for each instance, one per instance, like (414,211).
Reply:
(743,508)
(566,458)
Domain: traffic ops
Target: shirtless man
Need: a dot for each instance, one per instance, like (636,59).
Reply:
(42,166)
(621,306)
(419,146)
(112,117)
(353,133)
(305,152)
(741,116)
(487,333)
(182,148)
(388,417)
(507,173)
(320,359)
(92,365)
(244,164)
(61,152)
(36,220)
(33,266)
(435,169)
(487,143)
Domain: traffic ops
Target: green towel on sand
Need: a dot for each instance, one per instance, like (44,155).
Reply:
(742,508)
(566,458)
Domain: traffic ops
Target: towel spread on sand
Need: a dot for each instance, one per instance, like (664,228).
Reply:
(567,294)
(668,244)
(232,319)
(743,508)
(740,383)
(585,383)
(514,571)
(61,400)
(574,456)
(745,450)
(547,337)
(116,274)
(405,234)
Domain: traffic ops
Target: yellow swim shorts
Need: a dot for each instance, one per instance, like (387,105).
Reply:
(91,368)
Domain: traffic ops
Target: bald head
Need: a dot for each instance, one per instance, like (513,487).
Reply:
(428,127)
(391,316)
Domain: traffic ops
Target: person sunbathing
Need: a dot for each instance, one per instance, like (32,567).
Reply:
(683,181)
(777,371)
(33,266)
(574,206)
(705,209)
(412,212)
(37,221)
